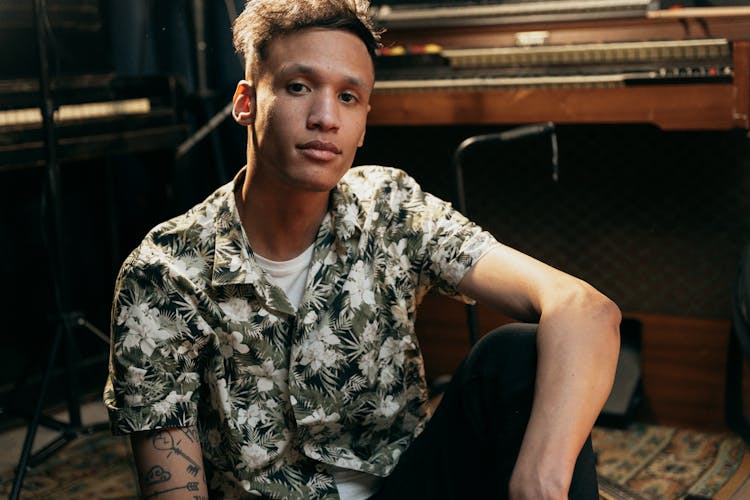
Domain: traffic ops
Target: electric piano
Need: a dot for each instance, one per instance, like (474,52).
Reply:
(679,69)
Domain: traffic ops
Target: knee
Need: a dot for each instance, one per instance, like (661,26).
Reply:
(506,353)
(498,379)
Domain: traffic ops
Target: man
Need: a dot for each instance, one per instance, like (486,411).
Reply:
(263,342)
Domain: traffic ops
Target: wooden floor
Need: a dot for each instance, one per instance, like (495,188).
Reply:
(683,359)
(12,439)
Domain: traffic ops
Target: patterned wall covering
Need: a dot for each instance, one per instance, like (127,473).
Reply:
(654,219)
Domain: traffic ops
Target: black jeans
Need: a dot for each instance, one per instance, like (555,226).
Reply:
(469,447)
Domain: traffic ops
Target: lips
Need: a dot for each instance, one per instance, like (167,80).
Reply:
(320,146)
(319,151)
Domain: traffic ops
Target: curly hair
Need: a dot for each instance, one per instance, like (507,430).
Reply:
(263,20)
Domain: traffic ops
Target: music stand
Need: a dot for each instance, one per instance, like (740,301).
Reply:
(68,321)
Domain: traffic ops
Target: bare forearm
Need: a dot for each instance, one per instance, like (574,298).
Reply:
(170,464)
(578,346)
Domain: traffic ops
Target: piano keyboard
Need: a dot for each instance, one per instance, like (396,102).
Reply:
(584,65)
(484,82)
(590,53)
(73,112)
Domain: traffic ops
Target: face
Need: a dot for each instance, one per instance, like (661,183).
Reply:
(308,106)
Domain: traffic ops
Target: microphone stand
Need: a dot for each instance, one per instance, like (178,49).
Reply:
(68,320)
(460,195)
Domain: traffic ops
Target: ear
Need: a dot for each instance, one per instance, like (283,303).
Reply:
(243,103)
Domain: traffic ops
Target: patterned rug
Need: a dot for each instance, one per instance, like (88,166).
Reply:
(645,462)
(641,462)
(95,467)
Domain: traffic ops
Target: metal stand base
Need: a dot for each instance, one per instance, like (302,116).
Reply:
(68,431)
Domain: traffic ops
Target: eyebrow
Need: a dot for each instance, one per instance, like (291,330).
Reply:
(304,69)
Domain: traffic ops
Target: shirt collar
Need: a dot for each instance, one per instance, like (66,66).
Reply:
(346,212)
(233,262)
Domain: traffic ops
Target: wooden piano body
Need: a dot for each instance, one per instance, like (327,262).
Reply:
(675,348)
(680,106)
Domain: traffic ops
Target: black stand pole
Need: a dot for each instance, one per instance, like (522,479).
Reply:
(68,320)
(204,97)
(204,93)
(460,195)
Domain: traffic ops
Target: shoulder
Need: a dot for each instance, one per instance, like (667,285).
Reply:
(182,244)
(375,175)
(373,182)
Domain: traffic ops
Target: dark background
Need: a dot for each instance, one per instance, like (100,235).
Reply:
(654,219)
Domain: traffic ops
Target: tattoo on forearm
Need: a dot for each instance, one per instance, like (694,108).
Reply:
(191,486)
(165,442)
(156,474)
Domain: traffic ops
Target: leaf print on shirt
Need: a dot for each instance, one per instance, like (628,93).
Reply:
(189,265)
(394,272)
(391,359)
(230,342)
(253,456)
(319,422)
(135,376)
(143,327)
(236,309)
(201,337)
(385,412)
(359,286)
(205,221)
(252,416)
(220,398)
(400,315)
(268,376)
(317,349)
(348,221)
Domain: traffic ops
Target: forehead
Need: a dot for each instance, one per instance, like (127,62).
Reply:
(328,51)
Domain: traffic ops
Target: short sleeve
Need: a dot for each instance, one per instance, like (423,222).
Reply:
(156,350)
(441,241)
(452,245)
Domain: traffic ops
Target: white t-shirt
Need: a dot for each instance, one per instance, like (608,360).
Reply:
(290,276)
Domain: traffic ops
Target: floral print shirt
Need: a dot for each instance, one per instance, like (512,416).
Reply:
(202,337)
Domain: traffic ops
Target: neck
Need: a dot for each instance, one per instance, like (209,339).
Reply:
(279,223)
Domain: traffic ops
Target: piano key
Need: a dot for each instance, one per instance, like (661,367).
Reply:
(523,81)
(97,115)
(666,50)
(71,112)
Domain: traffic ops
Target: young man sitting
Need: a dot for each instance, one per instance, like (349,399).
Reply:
(264,344)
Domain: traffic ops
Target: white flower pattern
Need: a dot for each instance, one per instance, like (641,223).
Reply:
(198,329)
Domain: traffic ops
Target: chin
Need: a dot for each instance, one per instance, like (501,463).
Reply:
(317,179)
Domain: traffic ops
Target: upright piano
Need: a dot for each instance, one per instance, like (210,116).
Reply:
(602,62)
(97,112)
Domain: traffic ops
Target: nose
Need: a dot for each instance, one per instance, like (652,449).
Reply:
(324,112)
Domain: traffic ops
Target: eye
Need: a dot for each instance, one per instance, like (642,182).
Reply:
(296,88)
(348,97)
